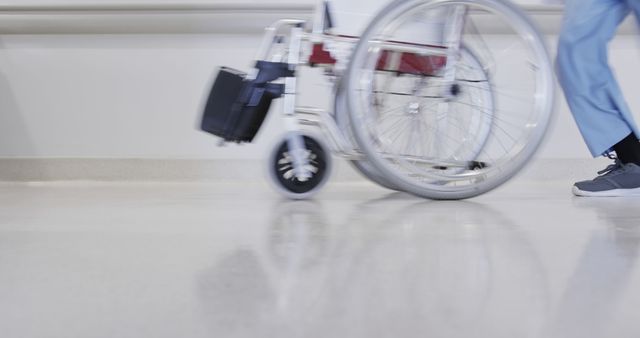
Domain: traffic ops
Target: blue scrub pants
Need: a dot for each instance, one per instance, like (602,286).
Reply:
(593,94)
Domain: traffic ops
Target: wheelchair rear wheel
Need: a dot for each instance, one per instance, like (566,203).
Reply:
(440,121)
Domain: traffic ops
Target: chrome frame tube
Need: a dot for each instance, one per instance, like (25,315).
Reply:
(452,40)
(327,124)
(270,34)
(295,140)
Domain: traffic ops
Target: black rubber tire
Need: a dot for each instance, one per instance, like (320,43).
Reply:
(280,169)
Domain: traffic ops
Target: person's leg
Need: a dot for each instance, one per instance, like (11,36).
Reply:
(628,150)
(593,94)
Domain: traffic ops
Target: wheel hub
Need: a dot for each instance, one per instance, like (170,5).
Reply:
(413,108)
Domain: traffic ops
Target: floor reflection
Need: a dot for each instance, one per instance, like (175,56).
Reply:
(396,267)
(604,270)
(138,260)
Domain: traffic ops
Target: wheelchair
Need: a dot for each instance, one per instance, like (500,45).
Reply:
(443,99)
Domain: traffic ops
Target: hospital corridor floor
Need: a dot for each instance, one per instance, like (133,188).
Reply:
(230,260)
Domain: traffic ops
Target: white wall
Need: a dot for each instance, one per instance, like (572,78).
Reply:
(139,95)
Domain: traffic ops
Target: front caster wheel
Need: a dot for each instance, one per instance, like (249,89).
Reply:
(287,180)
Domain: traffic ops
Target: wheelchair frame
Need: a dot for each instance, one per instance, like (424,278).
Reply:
(296,116)
(275,75)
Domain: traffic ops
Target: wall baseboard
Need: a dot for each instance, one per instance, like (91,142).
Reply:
(26,170)
(150,170)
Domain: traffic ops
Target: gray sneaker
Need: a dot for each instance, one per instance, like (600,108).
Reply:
(617,180)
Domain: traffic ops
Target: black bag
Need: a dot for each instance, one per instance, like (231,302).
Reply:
(237,107)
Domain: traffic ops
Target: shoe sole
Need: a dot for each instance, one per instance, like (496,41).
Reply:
(608,193)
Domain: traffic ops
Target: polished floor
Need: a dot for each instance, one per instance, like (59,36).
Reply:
(235,260)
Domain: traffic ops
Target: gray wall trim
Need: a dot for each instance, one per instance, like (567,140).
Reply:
(153,8)
(186,7)
(177,18)
(145,19)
